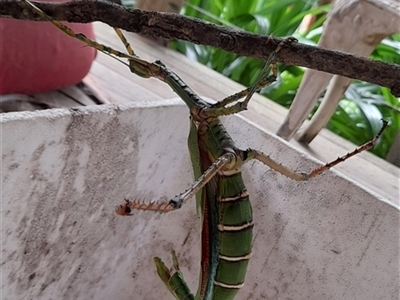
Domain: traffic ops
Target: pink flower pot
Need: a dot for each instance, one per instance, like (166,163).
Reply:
(36,57)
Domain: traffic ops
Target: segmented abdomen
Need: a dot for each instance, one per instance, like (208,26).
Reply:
(235,232)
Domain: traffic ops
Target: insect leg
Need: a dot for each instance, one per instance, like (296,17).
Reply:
(255,154)
(124,41)
(366,146)
(261,82)
(138,66)
(126,208)
(265,159)
(239,95)
(217,165)
(175,282)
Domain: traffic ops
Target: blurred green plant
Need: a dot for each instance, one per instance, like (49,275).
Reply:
(358,115)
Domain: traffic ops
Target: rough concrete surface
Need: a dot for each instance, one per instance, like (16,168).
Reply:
(64,171)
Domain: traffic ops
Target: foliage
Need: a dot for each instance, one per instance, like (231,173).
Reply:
(358,115)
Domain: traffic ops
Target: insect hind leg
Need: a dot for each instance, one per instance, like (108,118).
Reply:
(300,176)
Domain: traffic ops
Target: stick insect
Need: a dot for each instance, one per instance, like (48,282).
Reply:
(221,197)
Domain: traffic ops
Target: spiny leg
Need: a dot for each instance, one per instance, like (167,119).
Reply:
(126,208)
(255,154)
(364,147)
(261,81)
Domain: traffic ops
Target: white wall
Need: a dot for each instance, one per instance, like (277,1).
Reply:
(64,171)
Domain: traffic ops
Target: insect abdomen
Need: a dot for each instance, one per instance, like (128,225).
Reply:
(235,234)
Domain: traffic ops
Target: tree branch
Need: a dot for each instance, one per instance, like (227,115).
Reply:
(172,26)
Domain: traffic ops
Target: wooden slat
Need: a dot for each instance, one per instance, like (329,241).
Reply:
(65,99)
(77,95)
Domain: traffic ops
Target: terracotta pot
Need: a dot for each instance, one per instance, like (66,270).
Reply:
(36,57)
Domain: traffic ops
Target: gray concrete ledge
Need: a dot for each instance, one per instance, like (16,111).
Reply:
(63,172)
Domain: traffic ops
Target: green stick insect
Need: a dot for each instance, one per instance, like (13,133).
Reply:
(221,196)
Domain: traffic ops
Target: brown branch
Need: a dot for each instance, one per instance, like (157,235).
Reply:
(172,26)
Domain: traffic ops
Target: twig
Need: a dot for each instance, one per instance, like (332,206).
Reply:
(172,26)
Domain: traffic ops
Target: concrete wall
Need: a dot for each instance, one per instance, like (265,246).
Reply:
(64,171)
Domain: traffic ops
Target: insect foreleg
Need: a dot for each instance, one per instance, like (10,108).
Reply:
(239,95)
(261,82)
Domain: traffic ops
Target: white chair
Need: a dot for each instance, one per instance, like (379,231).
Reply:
(354,26)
